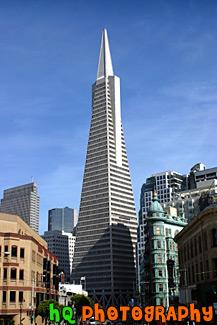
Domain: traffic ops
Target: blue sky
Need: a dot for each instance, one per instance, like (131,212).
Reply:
(164,51)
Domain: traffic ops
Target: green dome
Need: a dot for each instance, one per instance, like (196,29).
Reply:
(155,205)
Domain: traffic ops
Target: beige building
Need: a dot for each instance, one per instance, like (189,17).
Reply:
(28,271)
(198,258)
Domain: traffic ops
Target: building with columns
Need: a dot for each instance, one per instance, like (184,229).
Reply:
(198,258)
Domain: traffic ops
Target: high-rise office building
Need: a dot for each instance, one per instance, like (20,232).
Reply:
(107,223)
(62,219)
(60,237)
(24,201)
(62,245)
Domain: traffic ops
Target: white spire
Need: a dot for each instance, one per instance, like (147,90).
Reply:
(105,68)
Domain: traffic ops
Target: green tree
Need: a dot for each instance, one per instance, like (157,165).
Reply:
(44,311)
(79,301)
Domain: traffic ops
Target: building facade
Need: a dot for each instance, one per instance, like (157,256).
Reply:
(23,201)
(202,188)
(189,194)
(159,263)
(28,271)
(166,184)
(66,291)
(199,173)
(107,224)
(198,258)
(62,245)
(62,219)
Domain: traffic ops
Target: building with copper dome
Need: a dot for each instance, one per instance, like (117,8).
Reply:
(159,264)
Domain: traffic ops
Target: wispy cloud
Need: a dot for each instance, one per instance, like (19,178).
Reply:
(165,53)
(179,131)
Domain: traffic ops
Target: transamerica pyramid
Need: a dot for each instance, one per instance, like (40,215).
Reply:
(107,225)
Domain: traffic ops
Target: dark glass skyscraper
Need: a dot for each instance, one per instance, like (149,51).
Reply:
(62,219)
(107,223)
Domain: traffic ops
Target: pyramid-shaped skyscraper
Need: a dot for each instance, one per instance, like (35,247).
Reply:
(107,224)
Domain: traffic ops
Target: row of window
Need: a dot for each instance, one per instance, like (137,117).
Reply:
(95,172)
(158,230)
(13,296)
(161,181)
(13,274)
(99,183)
(121,172)
(101,129)
(94,136)
(97,204)
(14,251)
(97,154)
(124,210)
(161,177)
(88,195)
(127,184)
(99,98)
(98,112)
(159,190)
(159,244)
(126,191)
(195,246)
(195,273)
(160,258)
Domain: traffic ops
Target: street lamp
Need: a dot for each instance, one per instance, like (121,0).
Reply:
(32,304)
(83,278)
